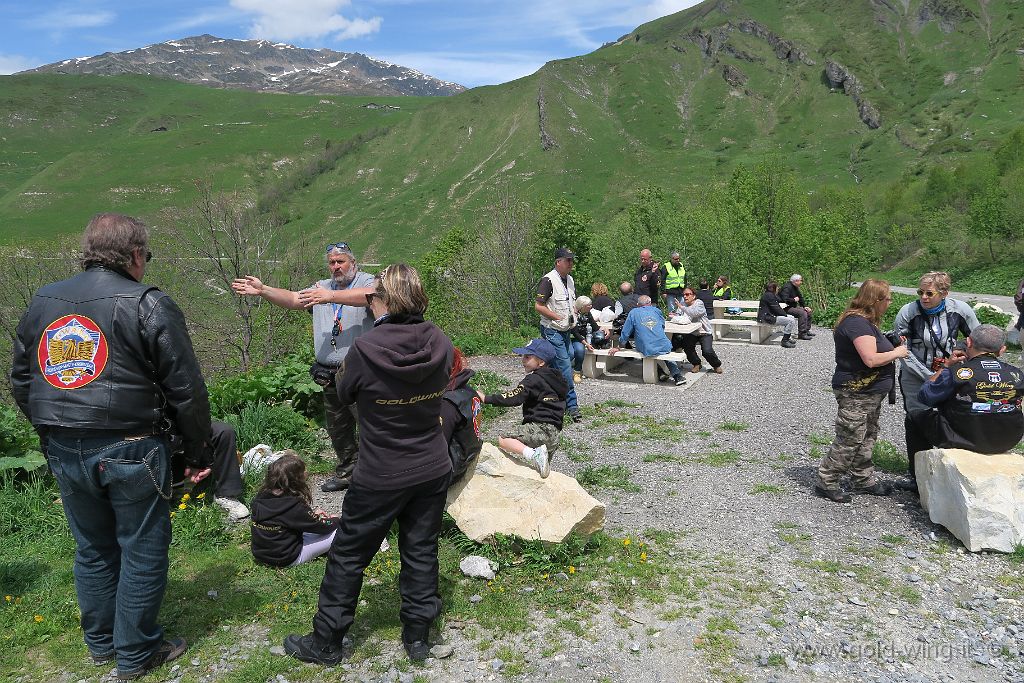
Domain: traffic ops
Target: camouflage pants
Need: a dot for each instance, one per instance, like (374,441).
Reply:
(856,431)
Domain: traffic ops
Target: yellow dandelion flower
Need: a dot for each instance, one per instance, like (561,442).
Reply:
(544,576)
(182,506)
(186,497)
(295,594)
(626,541)
(8,598)
(200,496)
(172,513)
(286,607)
(38,618)
(643,556)
(572,569)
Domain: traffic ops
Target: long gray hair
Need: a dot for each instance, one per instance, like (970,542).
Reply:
(110,239)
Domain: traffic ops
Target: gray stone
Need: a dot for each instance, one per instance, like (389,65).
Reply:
(475,599)
(477,567)
(856,601)
(442,651)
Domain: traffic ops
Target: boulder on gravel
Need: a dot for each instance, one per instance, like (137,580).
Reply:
(979,498)
(503,496)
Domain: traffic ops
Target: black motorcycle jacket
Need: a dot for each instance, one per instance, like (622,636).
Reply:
(100,351)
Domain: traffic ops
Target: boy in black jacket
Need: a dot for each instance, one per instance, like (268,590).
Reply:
(542,394)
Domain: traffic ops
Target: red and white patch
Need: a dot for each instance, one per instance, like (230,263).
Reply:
(477,408)
(72,352)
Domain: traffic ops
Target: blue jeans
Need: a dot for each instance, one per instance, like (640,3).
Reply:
(562,342)
(111,491)
(578,351)
(670,303)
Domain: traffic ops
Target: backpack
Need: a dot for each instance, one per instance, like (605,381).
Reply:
(465,445)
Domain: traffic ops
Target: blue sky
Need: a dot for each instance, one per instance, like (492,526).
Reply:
(469,42)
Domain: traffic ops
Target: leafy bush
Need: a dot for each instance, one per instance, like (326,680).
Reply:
(987,316)
(838,302)
(278,426)
(285,380)
(19,444)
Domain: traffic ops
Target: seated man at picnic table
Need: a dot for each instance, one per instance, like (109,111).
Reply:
(646,323)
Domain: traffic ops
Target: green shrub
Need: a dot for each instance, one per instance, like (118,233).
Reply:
(285,380)
(490,383)
(30,506)
(888,458)
(278,426)
(986,316)
(19,444)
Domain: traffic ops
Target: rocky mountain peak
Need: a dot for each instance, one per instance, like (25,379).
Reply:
(260,65)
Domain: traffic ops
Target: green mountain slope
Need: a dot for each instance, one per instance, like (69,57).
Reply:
(940,79)
(844,93)
(71,146)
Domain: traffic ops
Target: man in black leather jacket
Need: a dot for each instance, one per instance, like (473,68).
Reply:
(103,366)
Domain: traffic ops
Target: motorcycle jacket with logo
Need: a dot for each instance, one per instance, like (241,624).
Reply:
(984,409)
(100,351)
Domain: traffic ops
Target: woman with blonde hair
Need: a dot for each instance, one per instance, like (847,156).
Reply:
(396,374)
(931,326)
(863,377)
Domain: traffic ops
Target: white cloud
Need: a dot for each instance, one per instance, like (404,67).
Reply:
(201,19)
(470,69)
(303,19)
(64,19)
(10,64)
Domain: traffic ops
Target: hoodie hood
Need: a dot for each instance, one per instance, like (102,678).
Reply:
(408,351)
(552,379)
(274,507)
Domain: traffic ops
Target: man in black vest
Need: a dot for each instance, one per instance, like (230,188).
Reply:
(975,400)
(103,367)
(647,278)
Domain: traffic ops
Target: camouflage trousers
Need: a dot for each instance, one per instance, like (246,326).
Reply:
(856,431)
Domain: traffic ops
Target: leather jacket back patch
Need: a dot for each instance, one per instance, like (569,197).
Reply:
(72,352)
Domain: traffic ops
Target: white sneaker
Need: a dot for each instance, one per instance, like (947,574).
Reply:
(541,461)
(236,509)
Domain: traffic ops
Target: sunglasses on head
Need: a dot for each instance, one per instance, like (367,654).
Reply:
(926,292)
(338,245)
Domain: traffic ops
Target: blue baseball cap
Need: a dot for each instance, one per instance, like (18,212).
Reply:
(541,348)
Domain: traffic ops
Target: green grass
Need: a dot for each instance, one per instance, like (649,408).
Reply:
(598,477)
(766,488)
(888,458)
(719,458)
(734,426)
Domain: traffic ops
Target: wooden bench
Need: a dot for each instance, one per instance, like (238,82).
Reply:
(759,332)
(600,361)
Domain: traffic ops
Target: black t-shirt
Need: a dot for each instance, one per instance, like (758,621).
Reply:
(602,301)
(851,373)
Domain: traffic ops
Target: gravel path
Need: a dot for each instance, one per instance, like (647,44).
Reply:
(801,588)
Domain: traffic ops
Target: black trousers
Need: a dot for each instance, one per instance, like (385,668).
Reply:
(341,428)
(689,343)
(366,517)
(990,434)
(226,481)
(803,318)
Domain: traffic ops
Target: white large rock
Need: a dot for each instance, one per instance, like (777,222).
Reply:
(500,495)
(979,498)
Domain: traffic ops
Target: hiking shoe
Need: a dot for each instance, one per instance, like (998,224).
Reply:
(805,336)
(879,488)
(575,416)
(236,509)
(835,495)
(695,368)
(718,370)
(809,333)
(334,484)
(788,344)
(541,461)
(168,651)
(577,377)
(103,660)
(308,648)
(906,484)
(680,381)
(414,638)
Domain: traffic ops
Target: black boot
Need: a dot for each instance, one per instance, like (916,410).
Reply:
(309,648)
(787,342)
(804,335)
(835,495)
(414,638)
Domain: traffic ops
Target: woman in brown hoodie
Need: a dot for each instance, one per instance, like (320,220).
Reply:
(396,374)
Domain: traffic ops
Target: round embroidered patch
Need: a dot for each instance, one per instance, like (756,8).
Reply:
(964,373)
(72,352)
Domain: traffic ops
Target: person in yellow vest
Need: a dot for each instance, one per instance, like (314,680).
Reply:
(722,289)
(673,279)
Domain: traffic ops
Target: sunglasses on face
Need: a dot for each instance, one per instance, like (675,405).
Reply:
(338,245)
(926,292)
(369,299)
(149,256)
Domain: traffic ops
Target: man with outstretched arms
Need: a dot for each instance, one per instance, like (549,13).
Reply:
(104,368)
(338,306)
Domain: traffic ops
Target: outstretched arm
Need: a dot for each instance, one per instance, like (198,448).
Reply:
(253,286)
